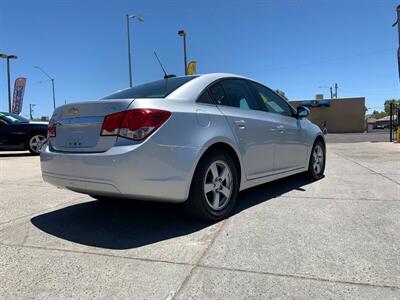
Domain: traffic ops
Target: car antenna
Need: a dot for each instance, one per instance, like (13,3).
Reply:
(166,76)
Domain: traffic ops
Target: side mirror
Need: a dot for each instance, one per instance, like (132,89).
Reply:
(302,112)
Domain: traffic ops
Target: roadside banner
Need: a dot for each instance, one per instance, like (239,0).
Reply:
(18,97)
(192,68)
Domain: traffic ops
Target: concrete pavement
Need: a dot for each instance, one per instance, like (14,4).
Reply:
(335,238)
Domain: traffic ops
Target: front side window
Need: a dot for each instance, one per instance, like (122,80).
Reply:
(154,89)
(272,101)
(234,93)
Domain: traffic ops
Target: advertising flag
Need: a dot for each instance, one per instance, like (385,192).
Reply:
(192,68)
(18,97)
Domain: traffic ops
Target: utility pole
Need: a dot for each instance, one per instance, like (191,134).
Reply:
(336,88)
(325,87)
(31,106)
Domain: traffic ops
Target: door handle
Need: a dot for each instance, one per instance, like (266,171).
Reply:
(241,123)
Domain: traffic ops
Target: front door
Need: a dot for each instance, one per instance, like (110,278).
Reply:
(246,119)
(290,149)
(3,134)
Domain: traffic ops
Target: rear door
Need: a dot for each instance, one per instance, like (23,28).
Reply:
(291,148)
(256,143)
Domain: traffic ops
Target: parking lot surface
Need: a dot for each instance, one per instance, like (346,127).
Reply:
(373,136)
(338,237)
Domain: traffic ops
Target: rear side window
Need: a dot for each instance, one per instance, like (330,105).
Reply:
(205,98)
(238,94)
(218,94)
(154,89)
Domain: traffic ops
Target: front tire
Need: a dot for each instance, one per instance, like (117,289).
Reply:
(35,142)
(214,188)
(316,167)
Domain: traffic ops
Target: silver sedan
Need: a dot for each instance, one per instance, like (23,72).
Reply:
(194,139)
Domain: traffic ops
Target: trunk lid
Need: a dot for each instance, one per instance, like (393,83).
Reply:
(78,125)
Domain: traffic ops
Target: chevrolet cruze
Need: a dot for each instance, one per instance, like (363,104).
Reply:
(193,139)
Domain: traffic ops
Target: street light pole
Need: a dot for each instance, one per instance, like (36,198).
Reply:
(54,94)
(128,26)
(52,84)
(9,84)
(182,33)
(8,57)
(129,51)
(398,28)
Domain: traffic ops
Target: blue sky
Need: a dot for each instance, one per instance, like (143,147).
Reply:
(293,45)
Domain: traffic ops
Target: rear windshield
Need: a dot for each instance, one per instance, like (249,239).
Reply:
(154,89)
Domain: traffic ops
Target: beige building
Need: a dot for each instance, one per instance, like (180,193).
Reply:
(340,115)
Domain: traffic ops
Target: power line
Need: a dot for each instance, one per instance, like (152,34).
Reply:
(321,61)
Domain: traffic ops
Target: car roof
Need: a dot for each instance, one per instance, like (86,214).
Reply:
(191,90)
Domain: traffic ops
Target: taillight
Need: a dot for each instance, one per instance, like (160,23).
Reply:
(51,131)
(112,123)
(134,124)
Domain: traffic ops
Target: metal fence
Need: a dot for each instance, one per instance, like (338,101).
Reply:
(394,115)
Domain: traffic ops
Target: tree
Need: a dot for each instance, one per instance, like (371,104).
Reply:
(387,104)
(282,94)
(379,114)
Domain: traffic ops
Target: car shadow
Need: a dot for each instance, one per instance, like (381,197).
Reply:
(124,224)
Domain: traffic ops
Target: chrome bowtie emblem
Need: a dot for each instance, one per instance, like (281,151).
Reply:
(72,111)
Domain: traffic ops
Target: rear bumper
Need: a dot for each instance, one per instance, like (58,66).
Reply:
(146,171)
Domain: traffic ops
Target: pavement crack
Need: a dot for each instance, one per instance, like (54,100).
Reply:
(300,277)
(95,253)
(197,264)
(338,199)
(369,169)
(173,295)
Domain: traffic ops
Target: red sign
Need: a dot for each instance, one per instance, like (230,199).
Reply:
(19,89)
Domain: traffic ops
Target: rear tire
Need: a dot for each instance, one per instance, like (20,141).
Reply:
(316,166)
(214,188)
(35,142)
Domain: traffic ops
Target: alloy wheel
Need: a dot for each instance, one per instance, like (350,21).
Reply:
(36,142)
(218,185)
(318,159)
